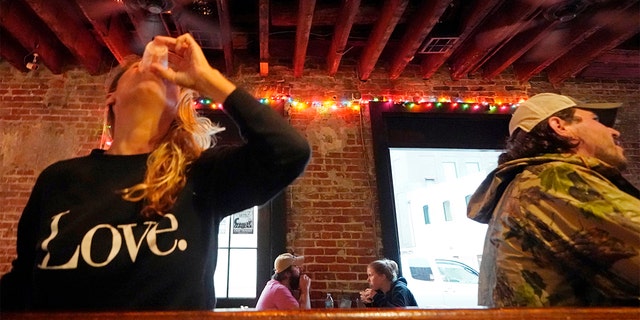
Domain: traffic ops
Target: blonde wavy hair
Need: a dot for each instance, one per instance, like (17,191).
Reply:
(167,165)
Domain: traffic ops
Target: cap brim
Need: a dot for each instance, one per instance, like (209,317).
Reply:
(606,112)
(599,106)
(606,116)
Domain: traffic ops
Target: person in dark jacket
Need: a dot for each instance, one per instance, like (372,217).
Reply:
(135,226)
(386,289)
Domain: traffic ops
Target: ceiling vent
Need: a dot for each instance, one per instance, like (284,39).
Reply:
(438,45)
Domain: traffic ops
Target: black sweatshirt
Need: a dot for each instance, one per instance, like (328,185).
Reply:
(398,296)
(82,247)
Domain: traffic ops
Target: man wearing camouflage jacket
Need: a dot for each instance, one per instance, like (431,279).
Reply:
(563,223)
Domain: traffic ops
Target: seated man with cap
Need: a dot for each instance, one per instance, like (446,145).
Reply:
(563,223)
(278,293)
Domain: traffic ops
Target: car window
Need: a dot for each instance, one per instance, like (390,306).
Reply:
(421,273)
(454,272)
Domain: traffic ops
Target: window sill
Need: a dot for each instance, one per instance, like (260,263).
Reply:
(350,314)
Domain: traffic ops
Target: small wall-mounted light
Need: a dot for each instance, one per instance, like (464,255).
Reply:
(33,65)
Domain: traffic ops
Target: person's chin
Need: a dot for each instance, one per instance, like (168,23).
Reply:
(622,165)
(618,160)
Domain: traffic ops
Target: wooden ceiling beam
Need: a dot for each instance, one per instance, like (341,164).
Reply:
(34,36)
(390,14)
(263,24)
(169,23)
(430,64)
(146,27)
(492,34)
(619,56)
(283,14)
(110,28)
(140,35)
(618,31)
(537,31)
(13,52)
(87,33)
(344,22)
(566,39)
(614,64)
(225,34)
(303,30)
(72,33)
(420,25)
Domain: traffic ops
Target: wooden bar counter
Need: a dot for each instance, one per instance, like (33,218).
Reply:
(350,314)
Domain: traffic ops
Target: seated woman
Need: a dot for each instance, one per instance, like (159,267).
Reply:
(386,289)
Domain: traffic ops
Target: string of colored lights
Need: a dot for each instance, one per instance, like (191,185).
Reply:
(440,105)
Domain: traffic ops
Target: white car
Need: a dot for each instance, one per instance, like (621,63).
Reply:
(440,283)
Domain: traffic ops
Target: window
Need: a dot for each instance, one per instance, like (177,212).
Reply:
(454,271)
(450,241)
(452,153)
(421,273)
(446,207)
(449,170)
(425,212)
(237,255)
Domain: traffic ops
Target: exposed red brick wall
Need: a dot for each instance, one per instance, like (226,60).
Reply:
(332,208)
(43,118)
